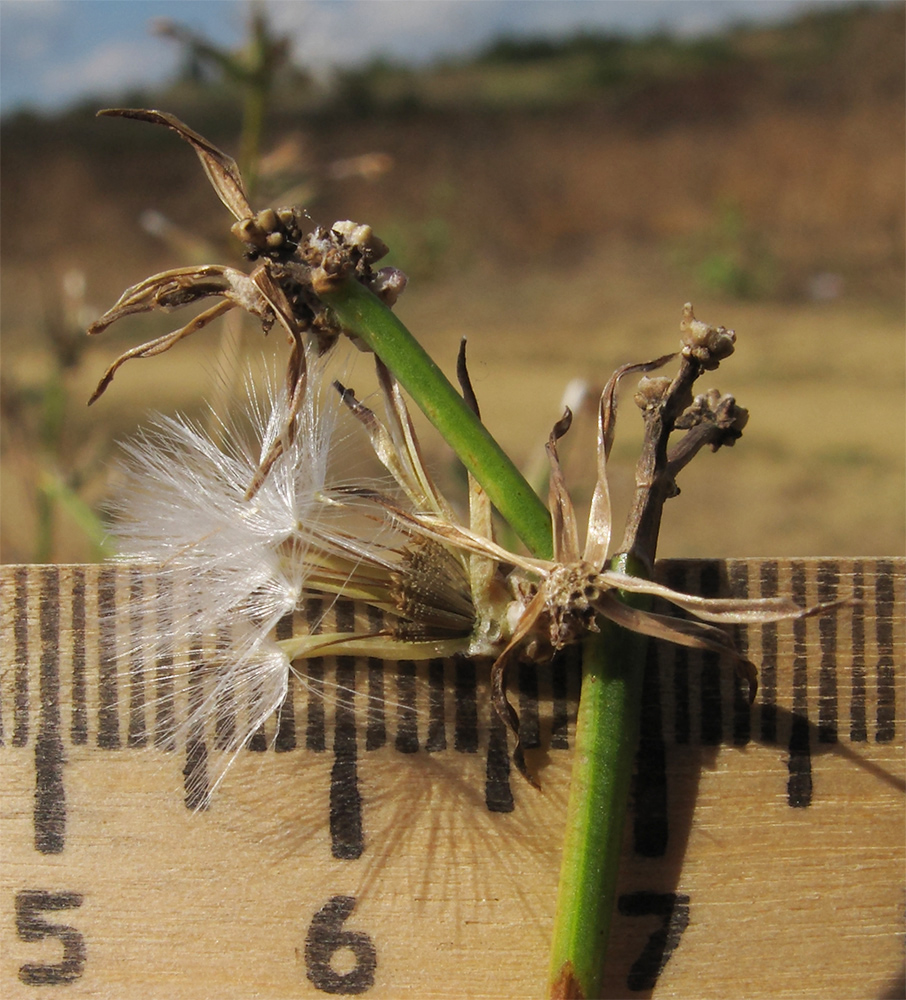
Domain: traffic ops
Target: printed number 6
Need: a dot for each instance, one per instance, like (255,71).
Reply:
(326,937)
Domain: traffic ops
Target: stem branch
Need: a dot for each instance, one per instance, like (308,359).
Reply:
(362,313)
(607,731)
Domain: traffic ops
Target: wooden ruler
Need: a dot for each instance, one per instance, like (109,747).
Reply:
(380,843)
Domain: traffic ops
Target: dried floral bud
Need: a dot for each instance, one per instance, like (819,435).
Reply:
(730,418)
(723,421)
(651,392)
(267,220)
(700,409)
(348,248)
(246,232)
(293,269)
(361,238)
(709,345)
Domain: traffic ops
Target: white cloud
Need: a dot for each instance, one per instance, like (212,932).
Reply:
(32,10)
(56,51)
(331,32)
(112,66)
(28,27)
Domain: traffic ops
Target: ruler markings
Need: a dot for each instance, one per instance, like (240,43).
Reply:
(165,708)
(529,720)
(711,669)
(20,640)
(50,800)
(769,578)
(258,743)
(650,830)
(858,725)
(346,830)
(73,604)
(675,578)
(225,707)
(799,786)
(407,710)
(465,725)
(682,709)
(315,736)
(195,772)
(78,726)
(285,739)
(315,727)
(742,714)
(884,602)
(347,837)
(828,578)
(498,795)
(137,733)
(108,736)
(828,590)
(376,722)
(437,727)
(565,665)
(52,601)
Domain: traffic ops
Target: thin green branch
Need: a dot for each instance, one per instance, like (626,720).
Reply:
(362,313)
(613,659)
(607,729)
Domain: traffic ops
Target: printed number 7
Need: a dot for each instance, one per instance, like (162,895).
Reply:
(673,909)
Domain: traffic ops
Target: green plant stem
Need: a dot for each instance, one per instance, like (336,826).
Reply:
(362,313)
(607,730)
(612,668)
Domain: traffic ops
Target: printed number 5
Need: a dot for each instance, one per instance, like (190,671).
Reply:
(30,926)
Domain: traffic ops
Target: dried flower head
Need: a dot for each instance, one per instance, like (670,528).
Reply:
(247,566)
(277,291)
(441,587)
(709,345)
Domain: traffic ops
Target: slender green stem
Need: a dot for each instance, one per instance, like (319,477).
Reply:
(362,313)
(607,731)
(609,709)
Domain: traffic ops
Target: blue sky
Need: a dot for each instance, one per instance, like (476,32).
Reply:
(55,52)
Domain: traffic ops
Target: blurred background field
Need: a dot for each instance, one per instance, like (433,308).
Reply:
(554,200)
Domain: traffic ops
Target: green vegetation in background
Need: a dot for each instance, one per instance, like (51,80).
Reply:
(729,258)
(57,470)
(511,73)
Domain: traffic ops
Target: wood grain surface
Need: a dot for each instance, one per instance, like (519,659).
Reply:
(377,842)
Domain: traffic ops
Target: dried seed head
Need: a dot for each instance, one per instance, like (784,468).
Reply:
(572,592)
(283,287)
(709,345)
(431,593)
(346,248)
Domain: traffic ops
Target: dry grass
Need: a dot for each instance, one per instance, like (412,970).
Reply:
(819,471)
(561,244)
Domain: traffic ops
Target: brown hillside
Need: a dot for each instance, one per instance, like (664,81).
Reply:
(563,239)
